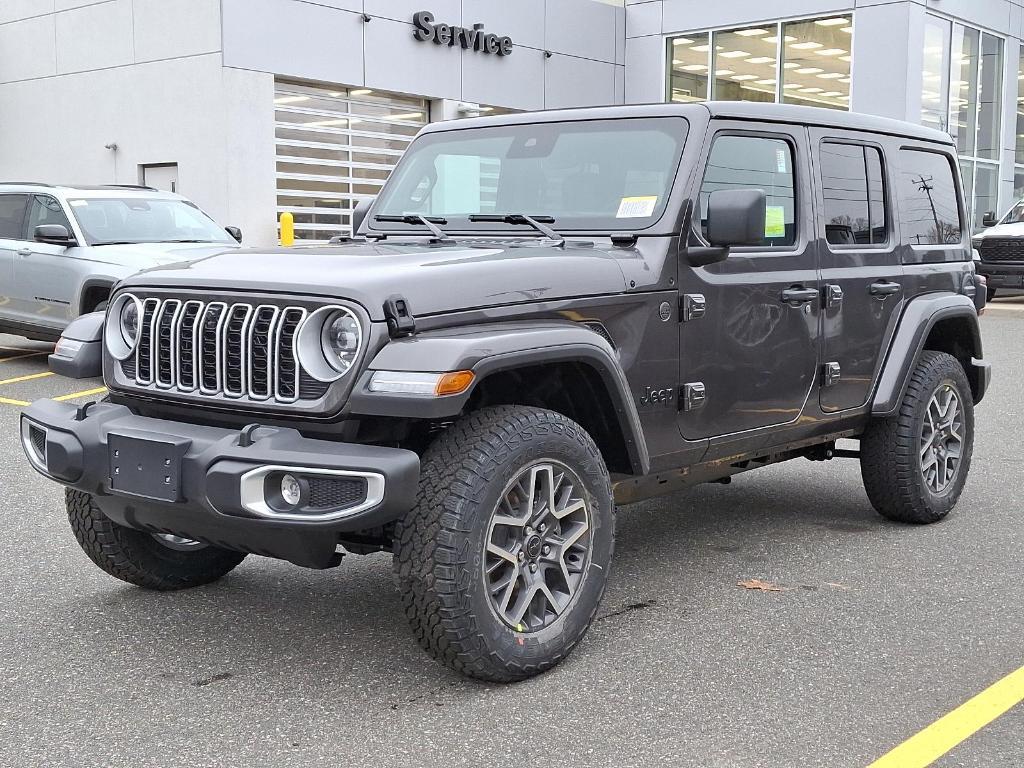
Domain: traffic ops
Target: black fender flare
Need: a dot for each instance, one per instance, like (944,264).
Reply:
(916,323)
(489,349)
(107,283)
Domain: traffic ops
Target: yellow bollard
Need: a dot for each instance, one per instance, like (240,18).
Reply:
(287,230)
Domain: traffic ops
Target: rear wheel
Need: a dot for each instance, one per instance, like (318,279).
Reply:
(155,561)
(503,562)
(990,293)
(915,463)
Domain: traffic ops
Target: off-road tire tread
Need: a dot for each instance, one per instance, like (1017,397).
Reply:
(135,557)
(426,560)
(889,450)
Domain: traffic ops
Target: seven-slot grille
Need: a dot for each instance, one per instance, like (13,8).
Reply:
(1002,249)
(236,350)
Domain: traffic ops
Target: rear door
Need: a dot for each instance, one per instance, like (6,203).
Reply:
(862,280)
(753,345)
(12,232)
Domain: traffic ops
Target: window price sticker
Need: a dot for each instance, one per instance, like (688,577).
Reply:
(636,207)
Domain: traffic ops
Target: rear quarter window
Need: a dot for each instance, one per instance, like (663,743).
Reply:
(929,210)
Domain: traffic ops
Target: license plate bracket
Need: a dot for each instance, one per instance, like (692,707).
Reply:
(145,467)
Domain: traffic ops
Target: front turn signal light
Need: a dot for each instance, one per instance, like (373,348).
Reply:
(417,383)
(454,383)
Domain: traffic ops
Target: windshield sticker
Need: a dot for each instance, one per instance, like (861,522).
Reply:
(780,160)
(774,221)
(637,207)
(78,203)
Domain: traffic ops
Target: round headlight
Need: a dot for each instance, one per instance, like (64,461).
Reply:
(130,323)
(342,337)
(122,326)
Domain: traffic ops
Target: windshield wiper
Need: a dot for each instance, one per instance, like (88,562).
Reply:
(537,222)
(187,241)
(429,222)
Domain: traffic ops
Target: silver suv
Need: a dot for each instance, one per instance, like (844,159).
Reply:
(62,249)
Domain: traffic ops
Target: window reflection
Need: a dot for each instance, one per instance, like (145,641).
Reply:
(816,68)
(689,68)
(744,62)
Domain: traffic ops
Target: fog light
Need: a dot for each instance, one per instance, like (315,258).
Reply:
(291,490)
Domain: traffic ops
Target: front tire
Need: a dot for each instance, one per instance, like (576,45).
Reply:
(152,561)
(915,463)
(503,562)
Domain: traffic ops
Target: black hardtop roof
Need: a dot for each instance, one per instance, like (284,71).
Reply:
(738,110)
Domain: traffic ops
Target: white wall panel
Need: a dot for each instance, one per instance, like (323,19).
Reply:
(573,82)
(396,62)
(165,29)
(95,37)
(296,39)
(445,11)
(644,20)
(581,28)
(27,51)
(13,10)
(521,20)
(510,81)
(645,69)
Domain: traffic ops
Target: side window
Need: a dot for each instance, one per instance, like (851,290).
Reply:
(755,162)
(45,210)
(12,216)
(928,206)
(854,193)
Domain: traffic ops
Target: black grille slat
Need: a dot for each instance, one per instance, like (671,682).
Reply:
(1002,249)
(240,350)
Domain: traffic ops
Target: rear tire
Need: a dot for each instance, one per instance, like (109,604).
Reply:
(496,583)
(915,463)
(990,294)
(141,558)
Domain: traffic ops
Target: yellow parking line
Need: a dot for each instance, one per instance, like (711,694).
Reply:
(945,733)
(86,393)
(26,378)
(19,403)
(21,357)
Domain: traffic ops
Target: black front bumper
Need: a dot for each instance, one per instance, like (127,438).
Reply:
(199,482)
(1002,275)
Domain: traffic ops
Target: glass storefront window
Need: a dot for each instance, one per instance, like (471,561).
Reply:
(688,57)
(744,64)
(820,49)
(990,97)
(964,89)
(935,74)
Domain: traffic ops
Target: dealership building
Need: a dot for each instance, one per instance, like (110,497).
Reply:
(256,107)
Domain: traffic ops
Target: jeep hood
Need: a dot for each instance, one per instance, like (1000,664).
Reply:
(433,279)
(143,255)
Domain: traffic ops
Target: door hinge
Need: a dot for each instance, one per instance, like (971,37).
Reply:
(692,396)
(831,373)
(399,317)
(692,306)
(833,296)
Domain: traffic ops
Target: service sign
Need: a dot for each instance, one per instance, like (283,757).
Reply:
(470,39)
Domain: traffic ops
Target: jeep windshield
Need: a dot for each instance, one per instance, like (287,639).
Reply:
(131,220)
(584,176)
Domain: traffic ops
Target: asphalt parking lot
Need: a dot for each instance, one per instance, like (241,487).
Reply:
(877,631)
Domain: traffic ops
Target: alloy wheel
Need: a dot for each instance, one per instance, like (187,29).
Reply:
(942,438)
(538,546)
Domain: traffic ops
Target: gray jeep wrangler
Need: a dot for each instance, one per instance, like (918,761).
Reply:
(540,317)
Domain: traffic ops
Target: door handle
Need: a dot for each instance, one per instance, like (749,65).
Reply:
(24,252)
(799,295)
(884,288)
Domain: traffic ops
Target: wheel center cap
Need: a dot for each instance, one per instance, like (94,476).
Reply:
(533,546)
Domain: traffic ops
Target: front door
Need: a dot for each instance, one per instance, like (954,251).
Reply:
(753,350)
(862,279)
(45,275)
(12,232)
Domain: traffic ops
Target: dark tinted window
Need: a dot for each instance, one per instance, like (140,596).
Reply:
(12,216)
(46,210)
(755,162)
(928,206)
(854,194)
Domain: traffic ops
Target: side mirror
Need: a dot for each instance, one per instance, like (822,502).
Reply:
(359,214)
(989,220)
(54,234)
(736,217)
(235,232)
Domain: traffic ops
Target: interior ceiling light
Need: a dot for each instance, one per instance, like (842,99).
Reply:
(744,77)
(847,30)
(682,41)
(767,81)
(811,90)
(361,92)
(833,22)
(830,52)
(775,39)
(787,86)
(751,32)
(809,70)
(290,99)
(790,65)
(807,45)
(701,48)
(694,67)
(845,58)
(760,60)
(832,93)
(723,72)
(733,54)
(830,75)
